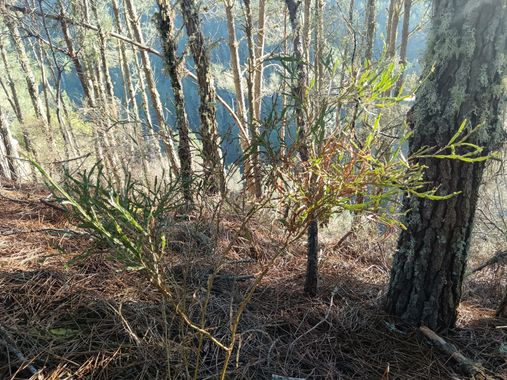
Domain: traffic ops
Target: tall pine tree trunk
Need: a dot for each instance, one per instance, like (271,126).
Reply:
(463,83)
(214,179)
(166,27)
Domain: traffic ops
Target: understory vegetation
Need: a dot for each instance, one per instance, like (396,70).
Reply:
(253,189)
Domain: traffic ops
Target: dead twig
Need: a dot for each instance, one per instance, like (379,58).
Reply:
(52,205)
(470,367)
(498,258)
(56,231)
(7,341)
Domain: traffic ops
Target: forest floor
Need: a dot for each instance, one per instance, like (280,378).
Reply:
(89,320)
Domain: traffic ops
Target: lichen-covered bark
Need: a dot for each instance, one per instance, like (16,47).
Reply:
(9,148)
(214,179)
(465,65)
(166,19)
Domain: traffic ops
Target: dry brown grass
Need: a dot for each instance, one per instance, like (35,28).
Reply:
(92,321)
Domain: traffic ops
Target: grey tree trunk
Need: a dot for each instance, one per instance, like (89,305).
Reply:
(72,53)
(17,108)
(11,153)
(153,143)
(404,42)
(298,93)
(259,60)
(370,21)
(214,180)
(131,105)
(253,98)
(462,83)
(29,77)
(133,19)
(244,138)
(394,20)
(14,93)
(166,20)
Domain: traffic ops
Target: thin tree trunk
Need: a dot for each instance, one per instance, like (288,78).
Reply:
(166,27)
(259,64)
(307,4)
(429,266)
(212,161)
(253,98)
(339,106)
(283,123)
(14,93)
(154,145)
(71,51)
(389,22)
(240,97)
(13,97)
(133,19)
(319,48)
(370,22)
(10,148)
(131,105)
(404,43)
(29,76)
(40,56)
(110,110)
(394,18)
(103,125)
(298,93)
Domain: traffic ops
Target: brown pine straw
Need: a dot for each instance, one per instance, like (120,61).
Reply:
(90,320)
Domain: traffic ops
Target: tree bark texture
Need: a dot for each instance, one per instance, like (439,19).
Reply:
(253,97)
(10,148)
(214,179)
(465,64)
(370,21)
(166,20)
